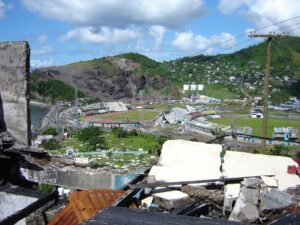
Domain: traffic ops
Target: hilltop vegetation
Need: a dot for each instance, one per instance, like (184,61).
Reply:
(50,90)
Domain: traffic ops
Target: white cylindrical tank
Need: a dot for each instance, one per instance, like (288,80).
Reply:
(186,87)
(200,87)
(193,87)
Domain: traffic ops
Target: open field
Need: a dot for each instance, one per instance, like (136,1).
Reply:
(145,142)
(256,124)
(136,115)
(218,91)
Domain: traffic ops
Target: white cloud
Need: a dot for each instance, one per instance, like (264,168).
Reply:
(36,63)
(118,12)
(265,12)
(43,51)
(42,39)
(188,41)
(158,33)
(4,7)
(103,35)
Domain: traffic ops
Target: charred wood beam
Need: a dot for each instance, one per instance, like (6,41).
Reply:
(166,184)
(12,219)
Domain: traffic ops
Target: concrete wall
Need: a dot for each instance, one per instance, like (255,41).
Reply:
(70,177)
(14,91)
(11,203)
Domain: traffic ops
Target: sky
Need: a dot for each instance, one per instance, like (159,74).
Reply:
(64,31)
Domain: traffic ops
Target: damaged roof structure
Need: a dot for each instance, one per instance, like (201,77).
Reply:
(194,183)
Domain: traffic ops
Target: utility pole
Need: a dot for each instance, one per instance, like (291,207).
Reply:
(141,96)
(266,83)
(233,134)
(76,103)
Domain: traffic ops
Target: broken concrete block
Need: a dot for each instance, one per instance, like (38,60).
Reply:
(231,193)
(171,199)
(252,182)
(182,160)
(271,182)
(241,164)
(146,202)
(276,199)
(245,209)
(199,192)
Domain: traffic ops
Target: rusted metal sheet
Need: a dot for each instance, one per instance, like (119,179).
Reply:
(84,205)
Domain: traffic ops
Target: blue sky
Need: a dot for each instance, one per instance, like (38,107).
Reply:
(64,31)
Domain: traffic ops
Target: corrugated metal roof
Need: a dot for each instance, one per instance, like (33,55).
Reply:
(84,205)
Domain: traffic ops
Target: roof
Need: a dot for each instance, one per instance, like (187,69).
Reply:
(126,216)
(196,114)
(84,205)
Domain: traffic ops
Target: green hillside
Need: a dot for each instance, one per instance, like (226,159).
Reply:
(246,66)
(236,75)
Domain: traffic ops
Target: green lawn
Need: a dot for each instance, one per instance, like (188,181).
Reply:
(146,142)
(218,91)
(256,124)
(135,115)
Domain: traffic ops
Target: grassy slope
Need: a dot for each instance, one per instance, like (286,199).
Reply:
(130,115)
(256,124)
(218,91)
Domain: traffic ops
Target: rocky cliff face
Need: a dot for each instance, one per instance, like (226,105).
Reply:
(111,78)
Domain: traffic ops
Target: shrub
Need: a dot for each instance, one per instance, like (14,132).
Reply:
(51,144)
(50,131)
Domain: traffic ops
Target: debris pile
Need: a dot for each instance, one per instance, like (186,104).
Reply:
(191,179)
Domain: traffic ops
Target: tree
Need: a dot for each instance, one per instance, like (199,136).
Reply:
(50,131)
(93,136)
(50,144)
(218,133)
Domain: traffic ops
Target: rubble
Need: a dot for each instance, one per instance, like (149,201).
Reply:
(231,193)
(201,193)
(171,199)
(275,200)
(146,202)
(245,208)
(193,167)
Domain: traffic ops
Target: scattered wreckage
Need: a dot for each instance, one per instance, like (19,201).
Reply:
(192,184)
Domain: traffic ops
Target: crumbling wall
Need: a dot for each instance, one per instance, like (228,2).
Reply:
(14,91)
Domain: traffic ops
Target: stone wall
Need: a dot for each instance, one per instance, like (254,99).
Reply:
(14,91)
